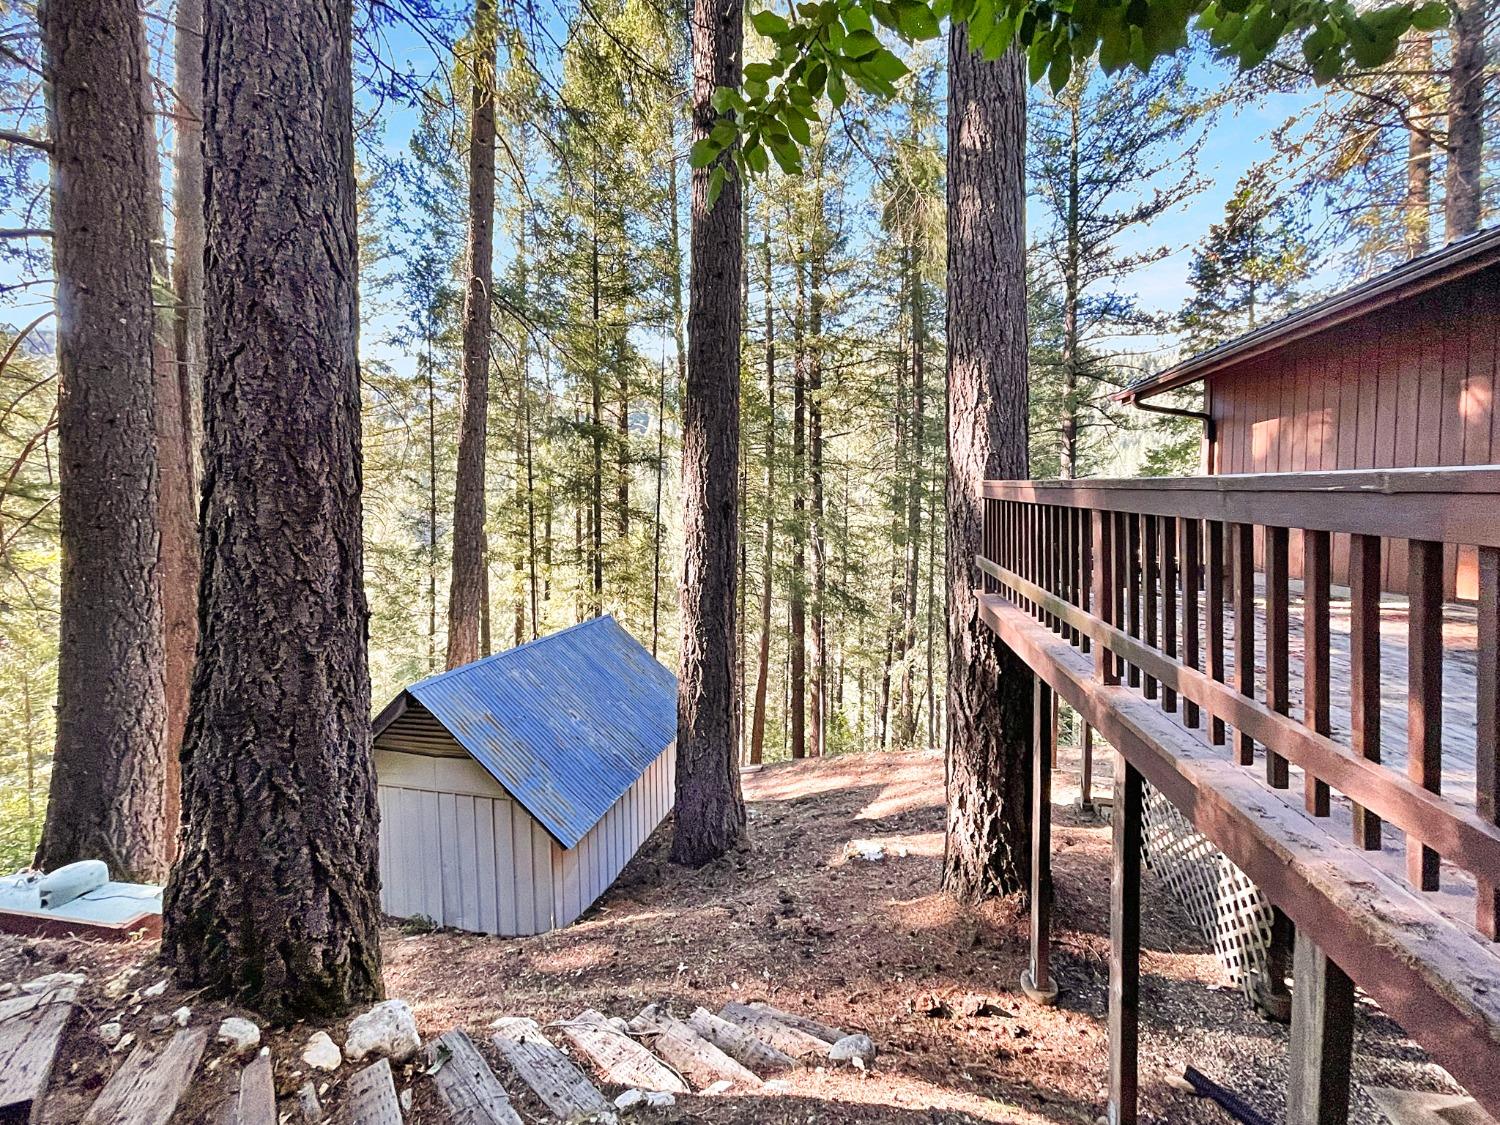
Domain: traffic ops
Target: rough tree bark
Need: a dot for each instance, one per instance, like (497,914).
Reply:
(1417,206)
(763,670)
(989,690)
(710,812)
(1466,85)
(107,794)
(798,592)
(906,721)
(466,591)
(817,704)
(275,901)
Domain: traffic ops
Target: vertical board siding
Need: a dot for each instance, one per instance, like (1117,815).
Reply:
(1410,385)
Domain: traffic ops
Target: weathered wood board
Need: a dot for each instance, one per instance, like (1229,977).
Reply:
(770,1030)
(620,1059)
(829,1035)
(738,1043)
(466,1083)
(370,1098)
(30,1029)
(550,1073)
(254,1102)
(147,1087)
(694,1057)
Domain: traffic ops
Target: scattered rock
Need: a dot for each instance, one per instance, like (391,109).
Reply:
(630,1099)
(722,1086)
(387,1030)
(322,1053)
(7,988)
(53,980)
(181,1016)
(864,849)
(659,1099)
(161,1021)
(109,1033)
(124,1044)
(856,1049)
(241,1035)
(155,990)
(308,1104)
(977,1004)
(405,1099)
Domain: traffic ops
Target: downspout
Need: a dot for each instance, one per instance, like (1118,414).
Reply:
(1209,433)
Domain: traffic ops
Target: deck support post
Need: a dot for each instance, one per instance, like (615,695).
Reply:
(1037,982)
(1086,770)
(1125,943)
(1322,1046)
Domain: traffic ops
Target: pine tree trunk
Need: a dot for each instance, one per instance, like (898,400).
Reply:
(107,792)
(1071,256)
(275,901)
(596,427)
(1466,89)
(1417,206)
(710,813)
(906,723)
(818,685)
(763,672)
(798,593)
(466,590)
(989,688)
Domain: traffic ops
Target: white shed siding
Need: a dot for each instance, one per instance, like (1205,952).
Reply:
(456,848)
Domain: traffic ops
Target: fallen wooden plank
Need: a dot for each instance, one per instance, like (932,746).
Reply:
(147,1088)
(620,1059)
(30,1029)
(466,1083)
(550,1073)
(738,1043)
(694,1057)
(768,1029)
(1410,1107)
(370,1097)
(829,1035)
(254,1102)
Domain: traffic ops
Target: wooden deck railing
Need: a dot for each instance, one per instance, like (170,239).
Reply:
(1156,580)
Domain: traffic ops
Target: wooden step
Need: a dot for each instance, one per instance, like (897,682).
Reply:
(30,1029)
(254,1102)
(550,1073)
(466,1083)
(147,1088)
(738,1043)
(370,1097)
(770,1030)
(829,1035)
(694,1057)
(620,1059)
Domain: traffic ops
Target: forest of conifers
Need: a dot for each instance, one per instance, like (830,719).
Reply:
(578,508)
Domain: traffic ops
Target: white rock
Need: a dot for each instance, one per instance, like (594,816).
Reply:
(388,1030)
(322,1053)
(53,980)
(858,1049)
(659,1099)
(405,1098)
(125,1041)
(182,1015)
(630,1099)
(7,988)
(723,1085)
(864,849)
(156,989)
(109,1033)
(161,1021)
(242,1035)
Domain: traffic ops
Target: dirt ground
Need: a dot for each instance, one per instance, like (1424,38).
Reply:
(866,946)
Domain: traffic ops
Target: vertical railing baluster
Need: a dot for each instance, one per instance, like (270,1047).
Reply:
(1168,543)
(1191,534)
(1086,597)
(1122,570)
(1424,696)
(1125,942)
(1133,554)
(1317,574)
(1364,670)
(1487,733)
(1214,589)
(1104,557)
(1242,546)
(1278,642)
(1037,982)
(1151,582)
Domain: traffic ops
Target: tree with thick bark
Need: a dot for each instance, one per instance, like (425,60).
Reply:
(986,851)
(710,811)
(107,793)
(275,901)
(1463,189)
(763,662)
(466,591)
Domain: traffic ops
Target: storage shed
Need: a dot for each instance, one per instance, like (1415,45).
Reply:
(514,790)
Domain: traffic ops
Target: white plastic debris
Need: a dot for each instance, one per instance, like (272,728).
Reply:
(405,1098)
(241,1035)
(387,1030)
(856,1049)
(109,1033)
(53,980)
(322,1053)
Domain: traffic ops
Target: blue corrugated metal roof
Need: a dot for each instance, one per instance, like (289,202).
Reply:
(565,723)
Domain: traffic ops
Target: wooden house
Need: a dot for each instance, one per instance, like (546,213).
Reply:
(514,790)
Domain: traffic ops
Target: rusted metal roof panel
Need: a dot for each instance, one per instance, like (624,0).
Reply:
(566,723)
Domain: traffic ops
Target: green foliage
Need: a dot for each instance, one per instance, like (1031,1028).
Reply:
(831,45)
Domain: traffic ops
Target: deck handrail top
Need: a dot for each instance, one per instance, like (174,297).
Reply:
(1448,505)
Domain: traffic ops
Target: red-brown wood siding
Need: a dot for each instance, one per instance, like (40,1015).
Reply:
(1412,384)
